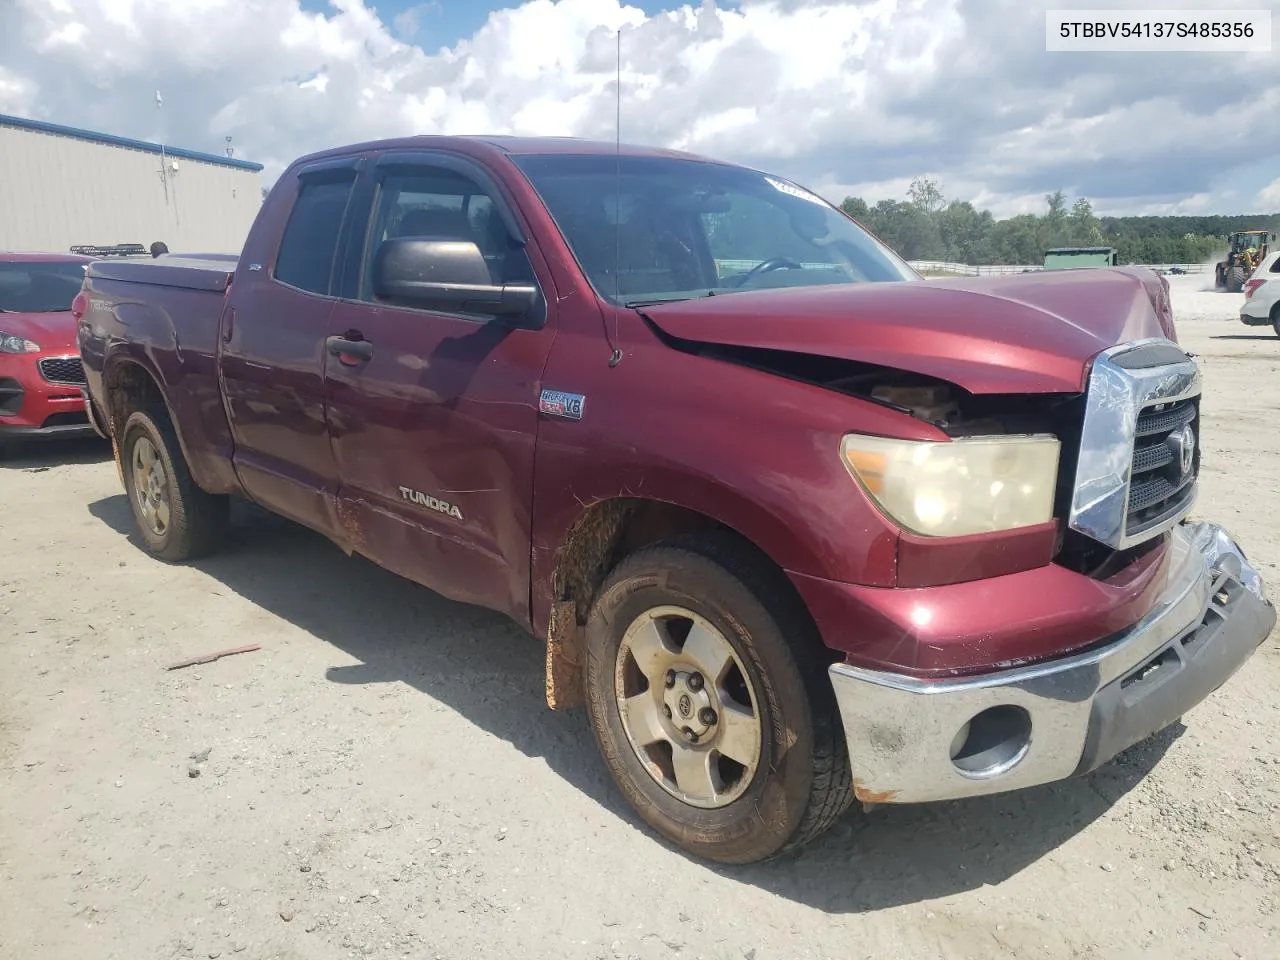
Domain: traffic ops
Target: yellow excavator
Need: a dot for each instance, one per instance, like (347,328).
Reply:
(1245,251)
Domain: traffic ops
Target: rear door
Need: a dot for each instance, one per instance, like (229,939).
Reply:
(434,421)
(273,354)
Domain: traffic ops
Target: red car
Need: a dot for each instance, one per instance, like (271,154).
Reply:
(40,372)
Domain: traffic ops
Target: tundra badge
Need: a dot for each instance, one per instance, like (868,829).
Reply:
(431,503)
(556,403)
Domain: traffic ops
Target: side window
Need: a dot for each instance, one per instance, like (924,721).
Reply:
(311,236)
(442,204)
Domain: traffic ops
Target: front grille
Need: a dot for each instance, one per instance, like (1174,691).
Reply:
(62,370)
(1143,407)
(1166,460)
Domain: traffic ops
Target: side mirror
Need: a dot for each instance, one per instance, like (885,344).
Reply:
(450,276)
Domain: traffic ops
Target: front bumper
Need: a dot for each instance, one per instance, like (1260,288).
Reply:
(34,408)
(916,740)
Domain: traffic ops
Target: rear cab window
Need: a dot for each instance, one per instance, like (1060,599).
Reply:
(308,249)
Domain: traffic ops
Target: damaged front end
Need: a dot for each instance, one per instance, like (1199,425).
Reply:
(1127,492)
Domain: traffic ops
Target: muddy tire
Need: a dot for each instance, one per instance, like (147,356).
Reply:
(719,728)
(176,520)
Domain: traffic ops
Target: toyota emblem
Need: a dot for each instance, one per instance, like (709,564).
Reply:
(1182,443)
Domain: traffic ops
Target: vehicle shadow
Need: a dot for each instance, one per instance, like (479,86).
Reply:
(44,454)
(489,670)
(1243,336)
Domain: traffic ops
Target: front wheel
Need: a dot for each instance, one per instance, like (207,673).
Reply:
(177,520)
(1235,280)
(720,730)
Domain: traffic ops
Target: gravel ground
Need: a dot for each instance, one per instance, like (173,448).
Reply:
(382,779)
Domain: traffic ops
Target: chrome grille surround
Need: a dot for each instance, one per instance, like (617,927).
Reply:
(1125,381)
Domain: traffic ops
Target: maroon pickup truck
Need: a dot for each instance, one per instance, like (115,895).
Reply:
(796,524)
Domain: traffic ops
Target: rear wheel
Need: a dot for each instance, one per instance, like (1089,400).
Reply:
(1275,319)
(177,520)
(720,730)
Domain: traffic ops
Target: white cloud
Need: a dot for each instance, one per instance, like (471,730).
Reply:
(1268,197)
(856,95)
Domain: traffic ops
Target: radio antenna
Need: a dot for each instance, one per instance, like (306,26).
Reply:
(616,356)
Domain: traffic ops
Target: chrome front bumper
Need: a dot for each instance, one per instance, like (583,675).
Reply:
(915,740)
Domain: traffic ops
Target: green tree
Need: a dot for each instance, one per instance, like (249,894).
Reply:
(926,196)
(926,227)
(906,228)
(857,208)
(1083,228)
(962,229)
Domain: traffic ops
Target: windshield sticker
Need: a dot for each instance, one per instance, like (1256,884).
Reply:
(791,190)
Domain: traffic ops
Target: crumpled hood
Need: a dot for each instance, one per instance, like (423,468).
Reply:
(52,331)
(1023,333)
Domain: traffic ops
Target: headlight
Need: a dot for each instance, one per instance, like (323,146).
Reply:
(11,344)
(957,487)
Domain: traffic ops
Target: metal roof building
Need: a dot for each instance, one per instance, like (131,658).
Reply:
(62,187)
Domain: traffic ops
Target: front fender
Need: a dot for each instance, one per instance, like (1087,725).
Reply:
(755,452)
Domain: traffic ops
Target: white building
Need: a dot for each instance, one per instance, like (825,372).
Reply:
(62,187)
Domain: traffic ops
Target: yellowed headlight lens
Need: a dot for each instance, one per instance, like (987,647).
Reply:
(958,487)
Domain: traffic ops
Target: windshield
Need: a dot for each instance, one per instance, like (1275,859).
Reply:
(39,287)
(651,229)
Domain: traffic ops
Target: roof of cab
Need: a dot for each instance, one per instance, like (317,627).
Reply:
(497,144)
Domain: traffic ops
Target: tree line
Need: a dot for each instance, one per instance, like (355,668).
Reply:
(927,226)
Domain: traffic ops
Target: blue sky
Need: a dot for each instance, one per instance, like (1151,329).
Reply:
(442,23)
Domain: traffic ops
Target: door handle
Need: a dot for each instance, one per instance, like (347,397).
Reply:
(343,348)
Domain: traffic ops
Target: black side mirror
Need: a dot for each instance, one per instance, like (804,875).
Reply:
(450,276)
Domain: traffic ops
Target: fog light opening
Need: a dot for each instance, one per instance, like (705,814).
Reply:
(992,742)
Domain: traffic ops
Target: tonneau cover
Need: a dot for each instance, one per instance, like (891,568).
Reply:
(211,273)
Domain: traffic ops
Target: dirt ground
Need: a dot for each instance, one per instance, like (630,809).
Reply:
(382,778)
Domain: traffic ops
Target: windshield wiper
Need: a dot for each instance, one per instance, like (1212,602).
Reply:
(654,301)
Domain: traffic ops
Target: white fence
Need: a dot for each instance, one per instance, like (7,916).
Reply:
(970,270)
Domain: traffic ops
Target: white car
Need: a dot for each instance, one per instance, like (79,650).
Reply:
(1262,294)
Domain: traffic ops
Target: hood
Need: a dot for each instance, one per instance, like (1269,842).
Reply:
(1023,333)
(52,331)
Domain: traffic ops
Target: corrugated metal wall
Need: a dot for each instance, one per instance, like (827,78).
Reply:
(58,191)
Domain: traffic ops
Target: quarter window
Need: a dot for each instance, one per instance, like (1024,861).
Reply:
(311,236)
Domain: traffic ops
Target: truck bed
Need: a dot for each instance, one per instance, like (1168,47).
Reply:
(164,315)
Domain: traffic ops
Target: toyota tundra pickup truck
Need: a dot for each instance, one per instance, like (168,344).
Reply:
(798,526)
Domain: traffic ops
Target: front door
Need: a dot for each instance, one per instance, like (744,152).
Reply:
(272,357)
(433,416)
